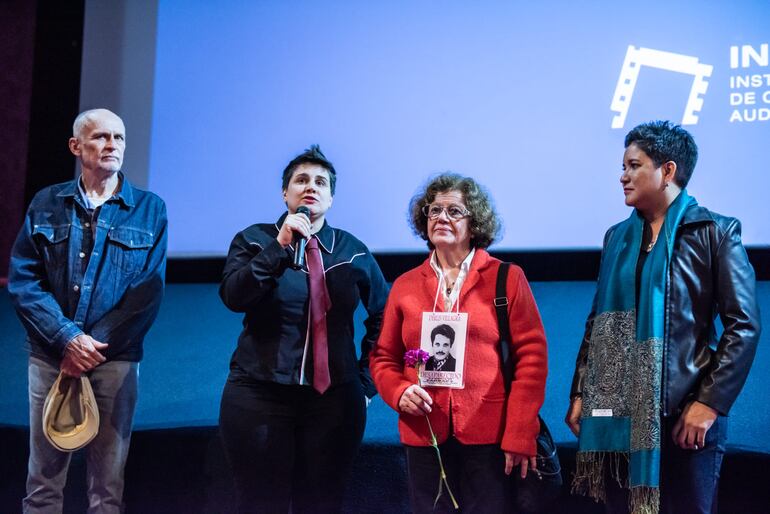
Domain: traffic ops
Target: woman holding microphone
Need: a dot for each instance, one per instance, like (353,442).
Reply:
(294,406)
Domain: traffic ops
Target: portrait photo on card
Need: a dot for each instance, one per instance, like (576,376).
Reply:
(443,336)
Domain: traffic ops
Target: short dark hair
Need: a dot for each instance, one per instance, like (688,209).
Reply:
(444,330)
(484,223)
(664,141)
(312,155)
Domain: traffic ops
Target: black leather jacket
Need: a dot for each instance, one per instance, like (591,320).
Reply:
(709,274)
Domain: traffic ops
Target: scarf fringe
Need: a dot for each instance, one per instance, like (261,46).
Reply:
(589,474)
(644,500)
(590,479)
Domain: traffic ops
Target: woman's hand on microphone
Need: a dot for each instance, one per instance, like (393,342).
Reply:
(293,224)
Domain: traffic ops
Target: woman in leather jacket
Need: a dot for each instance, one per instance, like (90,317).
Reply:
(653,383)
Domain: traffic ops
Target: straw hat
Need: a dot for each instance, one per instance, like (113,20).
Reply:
(70,413)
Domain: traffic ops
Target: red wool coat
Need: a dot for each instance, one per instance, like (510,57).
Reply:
(480,413)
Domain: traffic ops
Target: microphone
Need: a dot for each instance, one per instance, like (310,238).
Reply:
(300,242)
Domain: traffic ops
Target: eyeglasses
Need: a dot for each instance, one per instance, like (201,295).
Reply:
(453,212)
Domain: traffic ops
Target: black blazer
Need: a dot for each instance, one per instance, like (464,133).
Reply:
(709,275)
(258,281)
(449,366)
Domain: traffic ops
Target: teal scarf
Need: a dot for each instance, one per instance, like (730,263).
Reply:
(622,390)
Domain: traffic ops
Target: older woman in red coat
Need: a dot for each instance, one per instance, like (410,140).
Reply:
(483,431)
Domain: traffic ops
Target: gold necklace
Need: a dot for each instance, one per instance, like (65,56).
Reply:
(651,245)
(450,286)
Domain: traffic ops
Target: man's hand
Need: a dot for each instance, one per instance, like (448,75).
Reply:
(690,430)
(517,459)
(415,401)
(82,354)
(572,419)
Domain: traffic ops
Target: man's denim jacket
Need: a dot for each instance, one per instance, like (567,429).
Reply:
(114,295)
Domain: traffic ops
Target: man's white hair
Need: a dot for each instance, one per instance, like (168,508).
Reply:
(85,117)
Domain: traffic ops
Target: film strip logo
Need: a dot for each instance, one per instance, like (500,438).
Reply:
(638,57)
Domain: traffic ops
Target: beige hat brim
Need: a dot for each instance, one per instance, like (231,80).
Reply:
(70,413)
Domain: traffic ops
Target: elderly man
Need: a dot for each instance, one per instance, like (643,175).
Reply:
(86,278)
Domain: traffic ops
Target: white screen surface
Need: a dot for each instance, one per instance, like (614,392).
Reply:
(529,99)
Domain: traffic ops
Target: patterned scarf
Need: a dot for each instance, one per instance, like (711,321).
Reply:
(622,392)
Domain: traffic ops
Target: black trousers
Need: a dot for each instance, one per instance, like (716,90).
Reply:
(289,446)
(689,479)
(476,474)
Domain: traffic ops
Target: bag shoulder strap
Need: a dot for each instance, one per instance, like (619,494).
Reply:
(506,356)
(501,308)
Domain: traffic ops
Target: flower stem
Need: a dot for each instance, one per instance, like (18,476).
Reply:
(442,481)
(442,475)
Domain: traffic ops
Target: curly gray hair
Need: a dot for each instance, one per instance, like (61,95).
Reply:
(484,224)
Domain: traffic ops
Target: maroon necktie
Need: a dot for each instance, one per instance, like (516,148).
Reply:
(320,303)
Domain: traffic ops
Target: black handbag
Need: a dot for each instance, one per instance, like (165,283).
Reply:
(540,489)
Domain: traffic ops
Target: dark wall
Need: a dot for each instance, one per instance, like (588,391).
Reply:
(540,266)
(55,93)
(17,44)
(40,55)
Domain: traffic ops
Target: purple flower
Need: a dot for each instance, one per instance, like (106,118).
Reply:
(416,358)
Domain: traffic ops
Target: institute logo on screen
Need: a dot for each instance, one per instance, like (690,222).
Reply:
(749,89)
(638,58)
